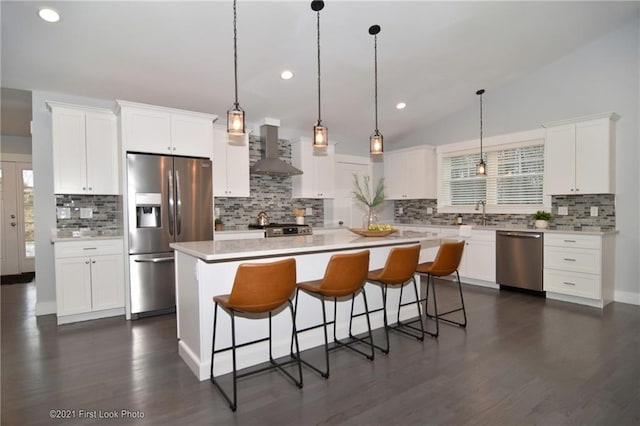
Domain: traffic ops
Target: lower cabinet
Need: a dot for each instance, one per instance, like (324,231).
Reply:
(479,256)
(579,268)
(89,279)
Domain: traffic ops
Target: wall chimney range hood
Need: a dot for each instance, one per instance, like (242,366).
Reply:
(269,163)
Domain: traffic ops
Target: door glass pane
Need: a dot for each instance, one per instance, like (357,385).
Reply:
(27,197)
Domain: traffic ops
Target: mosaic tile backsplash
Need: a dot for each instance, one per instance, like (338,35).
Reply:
(269,193)
(579,213)
(107,212)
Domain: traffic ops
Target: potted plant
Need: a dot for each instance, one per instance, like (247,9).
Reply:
(362,192)
(219,225)
(542,218)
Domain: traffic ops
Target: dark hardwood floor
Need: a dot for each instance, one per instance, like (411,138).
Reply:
(522,360)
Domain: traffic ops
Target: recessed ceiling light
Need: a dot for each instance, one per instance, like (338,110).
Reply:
(286,75)
(401,105)
(49,15)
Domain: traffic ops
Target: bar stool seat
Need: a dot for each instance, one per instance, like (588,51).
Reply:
(258,288)
(345,275)
(399,269)
(446,262)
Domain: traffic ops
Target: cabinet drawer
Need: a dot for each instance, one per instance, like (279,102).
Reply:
(572,240)
(87,248)
(578,260)
(575,284)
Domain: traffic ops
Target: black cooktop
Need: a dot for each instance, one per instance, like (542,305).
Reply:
(276,225)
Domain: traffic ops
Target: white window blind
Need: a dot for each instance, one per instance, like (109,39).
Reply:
(514,177)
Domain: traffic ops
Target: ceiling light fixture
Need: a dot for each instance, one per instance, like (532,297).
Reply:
(481,167)
(235,116)
(49,15)
(401,105)
(320,138)
(286,75)
(376,139)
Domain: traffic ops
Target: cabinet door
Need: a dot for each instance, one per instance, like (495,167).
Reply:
(107,282)
(102,154)
(191,136)
(69,151)
(219,159)
(325,169)
(479,260)
(394,176)
(593,153)
(237,166)
(417,168)
(146,131)
(73,285)
(559,163)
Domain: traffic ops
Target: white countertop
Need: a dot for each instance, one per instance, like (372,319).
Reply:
(246,249)
(60,236)
(474,227)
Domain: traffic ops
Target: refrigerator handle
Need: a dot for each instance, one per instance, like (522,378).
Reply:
(171,206)
(179,205)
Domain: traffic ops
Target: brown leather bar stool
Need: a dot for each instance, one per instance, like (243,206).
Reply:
(258,288)
(398,270)
(446,263)
(345,276)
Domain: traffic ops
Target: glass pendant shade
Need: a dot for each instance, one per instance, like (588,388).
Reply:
(320,137)
(481,168)
(235,121)
(376,143)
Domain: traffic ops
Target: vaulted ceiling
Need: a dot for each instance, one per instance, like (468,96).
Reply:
(432,55)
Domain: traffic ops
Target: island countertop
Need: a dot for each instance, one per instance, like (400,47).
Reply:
(219,251)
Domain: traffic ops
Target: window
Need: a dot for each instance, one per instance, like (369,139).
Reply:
(514,177)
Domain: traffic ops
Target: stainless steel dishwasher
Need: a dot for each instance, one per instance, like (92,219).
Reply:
(519,259)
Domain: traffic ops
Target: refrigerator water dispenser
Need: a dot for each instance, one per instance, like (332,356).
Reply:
(148,210)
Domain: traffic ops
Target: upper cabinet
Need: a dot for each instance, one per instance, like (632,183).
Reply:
(410,173)
(230,164)
(580,156)
(85,150)
(318,170)
(159,130)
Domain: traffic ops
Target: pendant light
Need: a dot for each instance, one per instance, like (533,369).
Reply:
(481,167)
(235,116)
(320,139)
(376,139)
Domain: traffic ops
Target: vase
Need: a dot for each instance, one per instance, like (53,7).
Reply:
(369,218)
(541,224)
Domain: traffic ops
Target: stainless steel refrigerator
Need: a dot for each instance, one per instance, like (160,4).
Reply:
(170,199)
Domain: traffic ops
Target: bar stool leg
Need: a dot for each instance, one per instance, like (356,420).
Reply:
(366,307)
(384,316)
(295,334)
(355,339)
(421,331)
(436,317)
(232,404)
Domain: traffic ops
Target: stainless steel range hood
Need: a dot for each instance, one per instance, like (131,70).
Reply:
(269,163)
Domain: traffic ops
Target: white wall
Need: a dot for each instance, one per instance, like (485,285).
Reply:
(601,76)
(44,199)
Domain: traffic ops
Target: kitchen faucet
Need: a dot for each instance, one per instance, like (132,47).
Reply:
(484,217)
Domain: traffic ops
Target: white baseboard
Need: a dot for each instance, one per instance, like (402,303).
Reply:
(46,308)
(626,297)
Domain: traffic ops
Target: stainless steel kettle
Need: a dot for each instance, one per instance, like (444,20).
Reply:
(263,219)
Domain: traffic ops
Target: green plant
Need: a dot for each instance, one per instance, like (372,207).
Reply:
(218,221)
(541,215)
(362,191)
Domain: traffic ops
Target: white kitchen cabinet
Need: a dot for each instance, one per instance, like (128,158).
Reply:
(85,150)
(318,167)
(479,256)
(160,130)
(580,156)
(410,173)
(89,279)
(579,268)
(230,164)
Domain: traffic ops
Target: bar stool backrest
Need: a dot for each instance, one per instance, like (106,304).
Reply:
(401,264)
(263,287)
(345,274)
(448,259)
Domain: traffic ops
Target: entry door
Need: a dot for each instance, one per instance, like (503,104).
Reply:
(9,261)
(346,208)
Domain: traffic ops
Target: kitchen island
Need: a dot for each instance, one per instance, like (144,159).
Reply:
(205,269)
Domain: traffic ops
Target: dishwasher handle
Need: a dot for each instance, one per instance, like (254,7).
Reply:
(520,234)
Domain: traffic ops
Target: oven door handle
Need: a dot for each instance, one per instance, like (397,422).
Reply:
(520,235)
(155,260)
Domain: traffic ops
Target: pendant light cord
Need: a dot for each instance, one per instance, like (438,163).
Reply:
(480,126)
(375,73)
(235,52)
(319,114)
